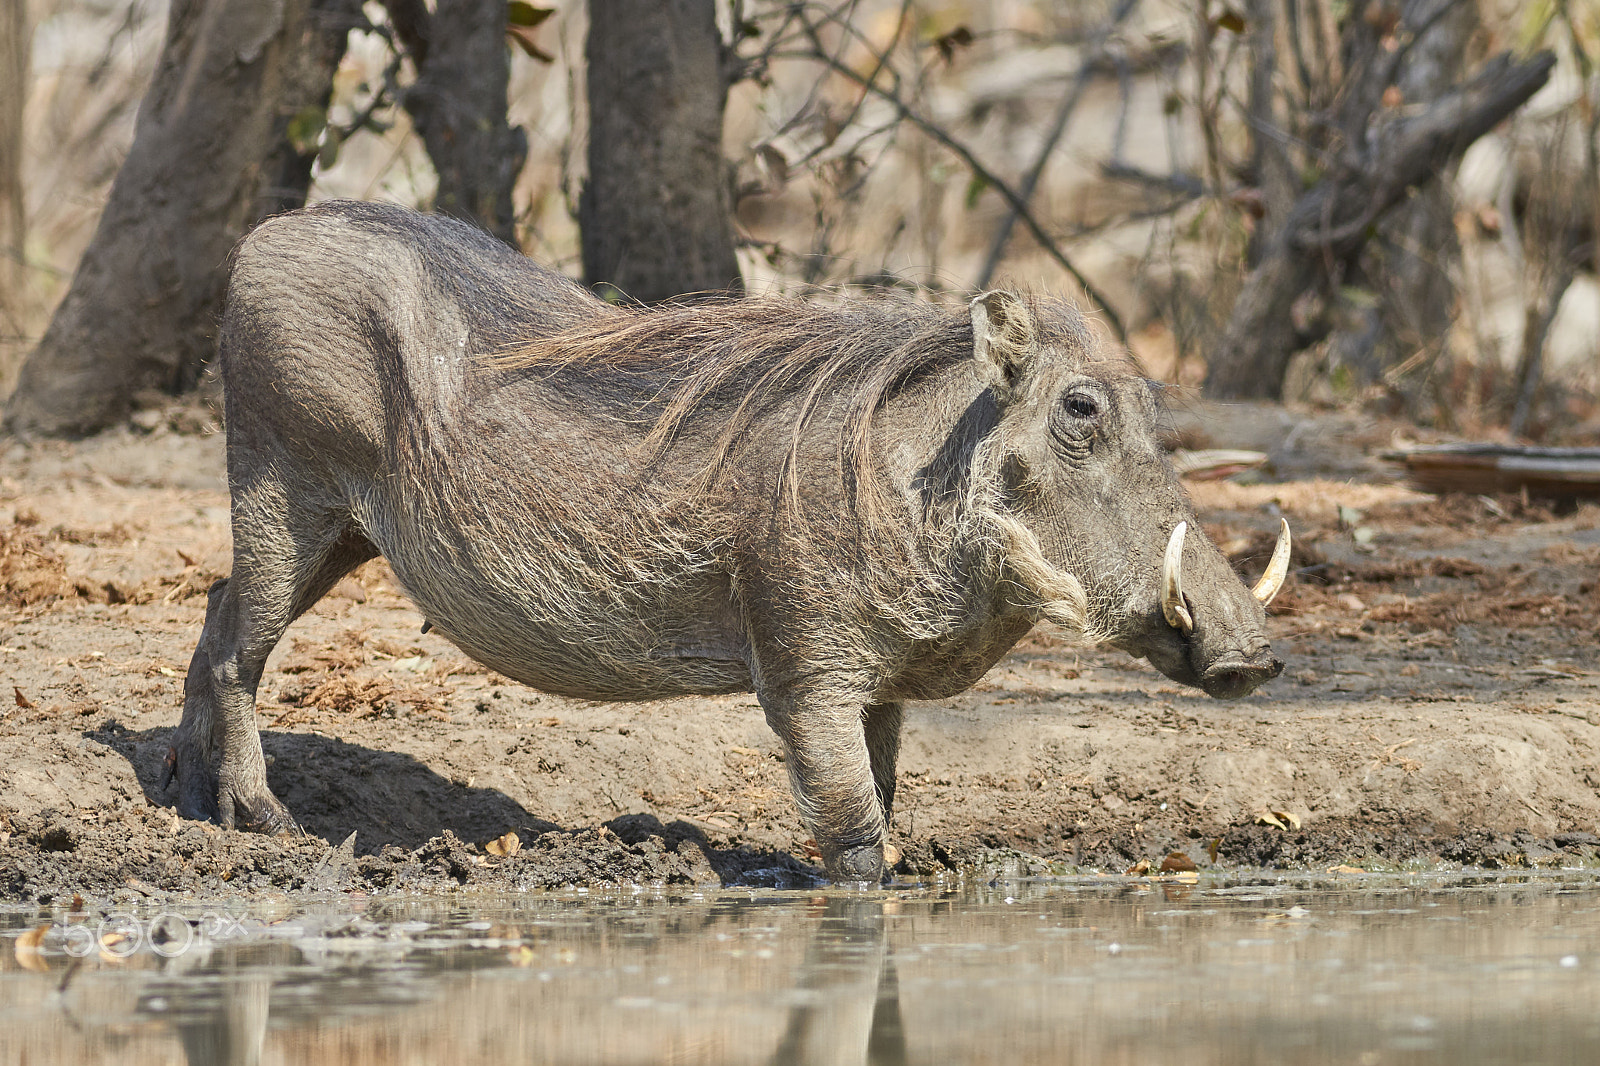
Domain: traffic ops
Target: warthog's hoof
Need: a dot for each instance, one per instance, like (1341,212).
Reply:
(197,784)
(259,813)
(857,864)
(202,799)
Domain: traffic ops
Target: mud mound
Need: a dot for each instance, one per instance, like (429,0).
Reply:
(143,852)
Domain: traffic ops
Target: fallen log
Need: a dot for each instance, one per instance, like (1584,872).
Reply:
(1550,473)
(1215,464)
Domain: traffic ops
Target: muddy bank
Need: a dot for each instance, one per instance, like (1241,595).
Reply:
(1441,704)
(148,855)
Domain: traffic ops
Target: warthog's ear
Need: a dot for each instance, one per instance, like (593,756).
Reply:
(1003,335)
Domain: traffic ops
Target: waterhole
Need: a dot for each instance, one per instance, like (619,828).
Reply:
(1277,968)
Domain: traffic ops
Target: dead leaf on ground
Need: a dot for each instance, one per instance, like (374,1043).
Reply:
(504,846)
(1285,820)
(1138,869)
(1343,869)
(22,701)
(1176,862)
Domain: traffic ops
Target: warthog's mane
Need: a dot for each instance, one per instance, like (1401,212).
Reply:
(726,363)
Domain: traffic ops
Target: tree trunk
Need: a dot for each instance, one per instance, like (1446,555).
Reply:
(204,165)
(14,50)
(458,104)
(1269,166)
(1332,221)
(655,212)
(307,89)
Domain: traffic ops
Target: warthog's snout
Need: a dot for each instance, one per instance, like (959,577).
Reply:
(1230,678)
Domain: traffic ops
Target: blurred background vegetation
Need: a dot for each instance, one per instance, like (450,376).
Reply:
(1388,204)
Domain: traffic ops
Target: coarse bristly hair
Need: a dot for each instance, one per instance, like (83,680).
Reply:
(737,360)
(727,363)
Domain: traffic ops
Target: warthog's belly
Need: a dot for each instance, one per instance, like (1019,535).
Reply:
(605,670)
(677,638)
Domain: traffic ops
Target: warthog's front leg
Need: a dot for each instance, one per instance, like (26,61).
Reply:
(881,724)
(290,546)
(831,771)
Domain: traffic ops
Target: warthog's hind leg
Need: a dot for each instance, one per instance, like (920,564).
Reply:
(280,570)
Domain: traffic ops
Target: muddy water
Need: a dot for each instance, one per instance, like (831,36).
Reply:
(1356,969)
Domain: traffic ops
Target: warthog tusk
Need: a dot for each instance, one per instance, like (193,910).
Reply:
(1277,568)
(1172,605)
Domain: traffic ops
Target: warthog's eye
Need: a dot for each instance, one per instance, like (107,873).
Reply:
(1076,422)
(1080,406)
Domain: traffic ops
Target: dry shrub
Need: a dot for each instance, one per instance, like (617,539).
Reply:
(192,581)
(1463,510)
(347,652)
(1445,610)
(351,697)
(30,573)
(34,573)
(356,698)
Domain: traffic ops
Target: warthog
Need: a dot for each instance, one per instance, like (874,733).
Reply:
(837,508)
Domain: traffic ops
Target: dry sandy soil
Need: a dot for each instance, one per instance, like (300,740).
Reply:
(1441,704)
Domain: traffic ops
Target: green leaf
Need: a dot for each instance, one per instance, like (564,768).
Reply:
(522,13)
(305,129)
(975,189)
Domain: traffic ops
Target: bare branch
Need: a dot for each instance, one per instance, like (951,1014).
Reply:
(932,129)
(1333,219)
(1058,126)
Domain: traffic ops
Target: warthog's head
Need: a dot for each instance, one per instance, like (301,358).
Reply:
(1096,524)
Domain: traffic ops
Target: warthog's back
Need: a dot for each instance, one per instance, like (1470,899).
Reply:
(357,324)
